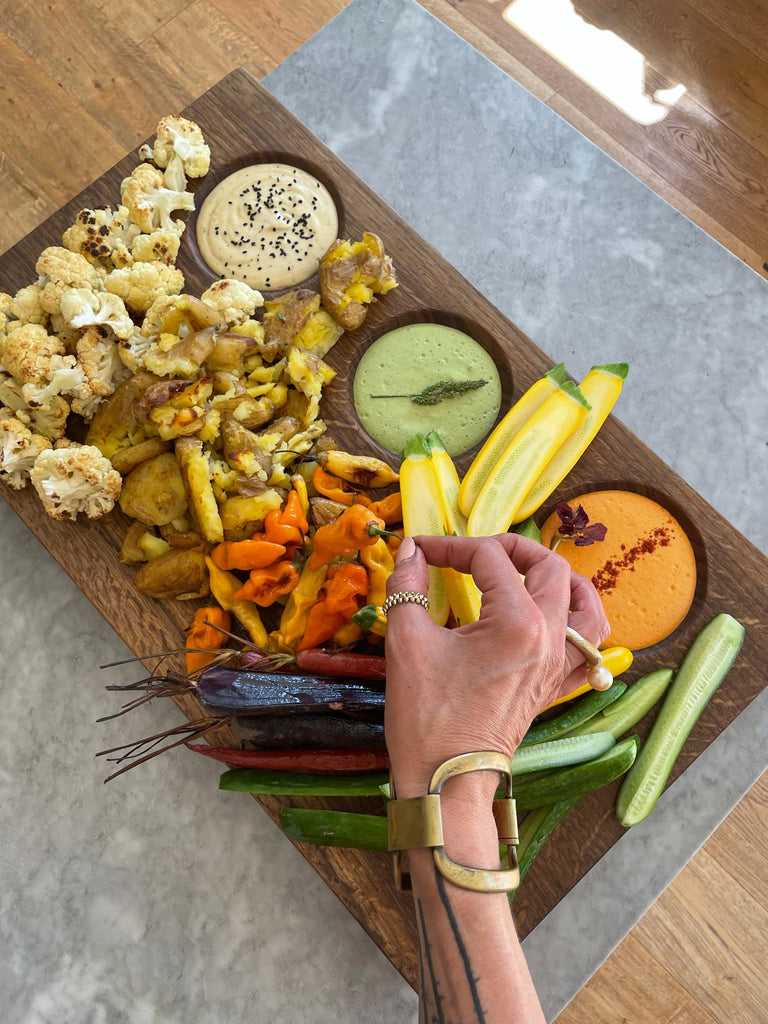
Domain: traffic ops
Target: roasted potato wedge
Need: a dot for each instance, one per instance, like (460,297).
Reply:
(129,458)
(179,574)
(154,492)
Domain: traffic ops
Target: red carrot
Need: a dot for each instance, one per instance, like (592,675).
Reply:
(342,760)
(317,661)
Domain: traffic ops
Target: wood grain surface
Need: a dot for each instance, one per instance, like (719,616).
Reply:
(242,123)
(707,155)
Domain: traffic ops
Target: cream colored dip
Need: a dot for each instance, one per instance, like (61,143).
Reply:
(267,225)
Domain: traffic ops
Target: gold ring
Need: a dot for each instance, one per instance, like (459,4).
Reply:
(403,597)
(598,676)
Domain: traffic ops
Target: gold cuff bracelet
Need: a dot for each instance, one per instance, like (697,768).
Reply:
(416,823)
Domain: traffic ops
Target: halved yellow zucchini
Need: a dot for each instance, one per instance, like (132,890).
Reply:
(423,514)
(524,459)
(502,436)
(601,387)
(464,596)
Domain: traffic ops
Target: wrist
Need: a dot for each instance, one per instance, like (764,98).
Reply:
(466,807)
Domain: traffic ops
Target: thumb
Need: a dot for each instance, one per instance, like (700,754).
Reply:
(410,572)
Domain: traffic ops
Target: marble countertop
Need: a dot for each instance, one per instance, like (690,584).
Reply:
(159,899)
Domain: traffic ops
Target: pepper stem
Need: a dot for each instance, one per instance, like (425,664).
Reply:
(377,531)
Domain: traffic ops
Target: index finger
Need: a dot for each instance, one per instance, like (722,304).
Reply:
(547,575)
(484,559)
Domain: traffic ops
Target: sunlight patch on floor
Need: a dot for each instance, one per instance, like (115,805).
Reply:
(601,58)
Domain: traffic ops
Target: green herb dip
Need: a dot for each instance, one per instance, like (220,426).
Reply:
(407,360)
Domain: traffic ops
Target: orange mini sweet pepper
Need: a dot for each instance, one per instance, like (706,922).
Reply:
(355,528)
(264,586)
(254,553)
(336,489)
(204,640)
(340,597)
(390,509)
(287,525)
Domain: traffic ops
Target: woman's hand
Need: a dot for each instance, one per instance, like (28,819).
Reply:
(478,686)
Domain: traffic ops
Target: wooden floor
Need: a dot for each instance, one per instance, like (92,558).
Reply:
(85,80)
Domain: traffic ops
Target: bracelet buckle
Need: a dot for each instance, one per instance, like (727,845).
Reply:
(416,823)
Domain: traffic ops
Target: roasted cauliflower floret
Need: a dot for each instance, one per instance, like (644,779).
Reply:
(82,307)
(19,448)
(159,245)
(351,274)
(150,204)
(103,236)
(235,300)
(181,149)
(60,269)
(49,418)
(142,283)
(26,305)
(63,376)
(76,479)
(132,350)
(98,356)
(28,350)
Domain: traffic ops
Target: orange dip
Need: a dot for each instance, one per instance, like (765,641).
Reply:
(644,570)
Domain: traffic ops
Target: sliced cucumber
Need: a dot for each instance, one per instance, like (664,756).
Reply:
(704,667)
(536,828)
(335,828)
(580,712)
(557,753)
(256,780)
(580,779)
(631,707)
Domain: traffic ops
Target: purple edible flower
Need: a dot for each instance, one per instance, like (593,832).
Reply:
(576,526)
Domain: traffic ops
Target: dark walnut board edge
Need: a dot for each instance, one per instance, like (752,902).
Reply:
(244,123)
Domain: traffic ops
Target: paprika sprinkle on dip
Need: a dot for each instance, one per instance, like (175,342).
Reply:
(267,225)
(644,569)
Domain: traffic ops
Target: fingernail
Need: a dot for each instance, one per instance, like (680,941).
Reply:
(407,549)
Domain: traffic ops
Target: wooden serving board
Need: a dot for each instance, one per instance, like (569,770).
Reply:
(244,124)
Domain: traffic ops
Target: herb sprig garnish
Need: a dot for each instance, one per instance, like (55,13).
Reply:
(433,394)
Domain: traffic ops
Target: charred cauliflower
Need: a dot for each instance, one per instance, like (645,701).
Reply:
(150,204)
(235,300)
(74,480)
(181,149)
(142,283)
(83,307)
(19,448)
(59,269)
(28,350)
(103,236)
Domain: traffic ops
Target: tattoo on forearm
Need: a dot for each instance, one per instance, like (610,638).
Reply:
(471,979)
(431,995)
(431,1010)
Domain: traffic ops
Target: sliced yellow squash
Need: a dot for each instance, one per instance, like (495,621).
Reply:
(601,387)
(423,514)
(524,459)
(502,436)
(464,596)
